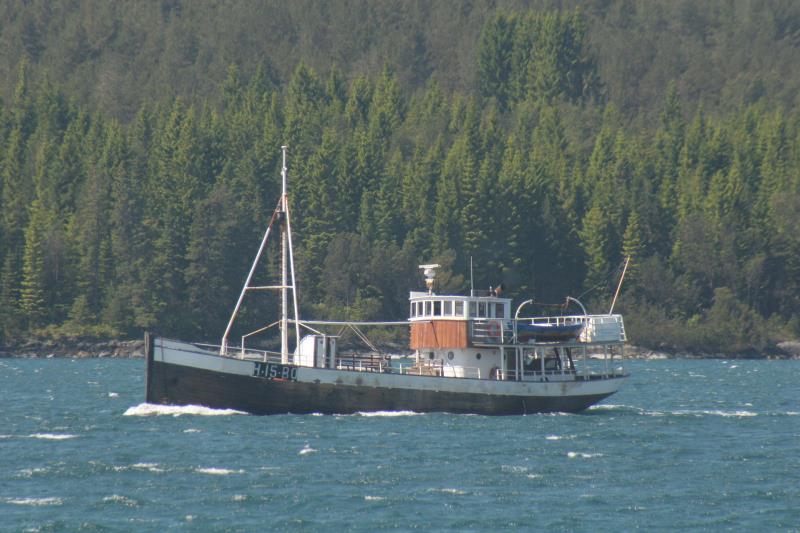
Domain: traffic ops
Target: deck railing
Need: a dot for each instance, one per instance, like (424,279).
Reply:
(596,328)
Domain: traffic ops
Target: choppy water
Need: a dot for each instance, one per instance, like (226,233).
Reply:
(686,445)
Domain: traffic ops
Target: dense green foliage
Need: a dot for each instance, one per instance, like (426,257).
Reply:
(143,210)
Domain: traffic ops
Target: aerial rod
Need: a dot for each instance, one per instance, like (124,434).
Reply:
(471,279)
(283,174)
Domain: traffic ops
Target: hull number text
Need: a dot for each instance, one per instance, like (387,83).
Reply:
(275,371)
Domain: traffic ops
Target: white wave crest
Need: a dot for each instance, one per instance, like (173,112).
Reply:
(458,492)
(150,467)
(51,436)
(191,430)
(35,501)
(306,450)
(122,500)
(113,395)
(560,437)
(218,471)
(715,412)
(387,413)
(28,472)
(574,455)
(374,498)
(149,409)
(611,407)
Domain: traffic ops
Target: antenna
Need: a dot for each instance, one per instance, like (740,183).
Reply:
(471,280)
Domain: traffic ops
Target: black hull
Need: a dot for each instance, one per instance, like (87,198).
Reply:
(183,385)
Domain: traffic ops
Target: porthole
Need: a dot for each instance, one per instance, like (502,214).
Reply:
(430,355)
(450,355)
(477,356)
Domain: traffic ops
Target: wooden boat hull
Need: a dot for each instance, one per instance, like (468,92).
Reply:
(182,374)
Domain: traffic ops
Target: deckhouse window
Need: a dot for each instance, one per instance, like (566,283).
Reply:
(482,309)
(427,308)
(473,309)
(437,308)
(499,310)
(448,308)
(459,308)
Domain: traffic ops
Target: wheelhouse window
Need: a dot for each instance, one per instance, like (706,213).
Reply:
(437,308)
(482,309)
(448,308)
(427,308)
(499,310)
(473,309)
(459,308)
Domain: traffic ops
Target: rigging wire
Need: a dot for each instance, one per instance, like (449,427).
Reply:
(605,281)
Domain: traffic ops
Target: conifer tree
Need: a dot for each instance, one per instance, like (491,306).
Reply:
(594,238)
(32,293)
(633,247)
(495,48)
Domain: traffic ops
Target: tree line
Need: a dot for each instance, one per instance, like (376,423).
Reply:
(109,228)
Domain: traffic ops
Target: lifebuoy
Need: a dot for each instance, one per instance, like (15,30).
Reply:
(493,329)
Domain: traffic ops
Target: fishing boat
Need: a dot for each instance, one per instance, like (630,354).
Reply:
(468,355)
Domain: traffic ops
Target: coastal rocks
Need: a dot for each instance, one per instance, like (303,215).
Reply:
(77,349)
(792,348)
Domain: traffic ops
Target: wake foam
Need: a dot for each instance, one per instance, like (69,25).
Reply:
(716,412)
(678,412)
(150,409)
(387,413)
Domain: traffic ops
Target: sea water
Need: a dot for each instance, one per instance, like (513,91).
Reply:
(685,445)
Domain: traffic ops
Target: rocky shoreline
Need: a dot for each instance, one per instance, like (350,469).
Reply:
(131,349)
(78,349)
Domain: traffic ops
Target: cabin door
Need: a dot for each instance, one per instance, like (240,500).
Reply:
(511,364)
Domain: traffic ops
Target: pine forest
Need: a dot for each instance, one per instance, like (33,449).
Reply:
(544,141)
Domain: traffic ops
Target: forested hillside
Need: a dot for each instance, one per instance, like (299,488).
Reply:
(140,145)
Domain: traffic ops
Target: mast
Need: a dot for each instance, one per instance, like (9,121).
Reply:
(284,266)
(281,215)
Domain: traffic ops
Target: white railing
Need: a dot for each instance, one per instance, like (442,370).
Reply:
(597,328)
(457,371)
